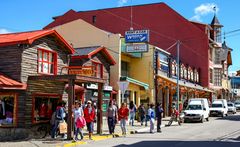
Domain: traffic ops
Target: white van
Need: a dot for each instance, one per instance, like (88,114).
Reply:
(197,110)
(219,107)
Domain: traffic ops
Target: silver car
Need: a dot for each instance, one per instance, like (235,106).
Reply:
(231,108)
(237,105)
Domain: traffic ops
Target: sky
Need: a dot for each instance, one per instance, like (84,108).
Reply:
(27,15)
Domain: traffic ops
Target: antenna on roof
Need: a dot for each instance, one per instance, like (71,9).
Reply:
(131,27)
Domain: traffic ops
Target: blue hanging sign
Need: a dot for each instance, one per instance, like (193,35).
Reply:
(137,36)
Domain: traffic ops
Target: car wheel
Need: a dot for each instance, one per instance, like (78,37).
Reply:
(226,114)
(207,119)
(202,119)
(222,115)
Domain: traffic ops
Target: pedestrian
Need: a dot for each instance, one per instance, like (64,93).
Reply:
(142,113)
(59,118)
(132,109)
(123,113)
(159,115)
(89,115)
(147,118)
(78,120)
(112,117)
(151,117)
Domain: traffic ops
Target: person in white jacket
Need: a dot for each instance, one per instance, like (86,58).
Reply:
(151,117)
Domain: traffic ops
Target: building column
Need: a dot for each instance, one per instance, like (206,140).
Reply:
(71,96)
(99,112)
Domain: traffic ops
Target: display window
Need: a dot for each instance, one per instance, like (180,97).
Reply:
(8,108)
(44,106)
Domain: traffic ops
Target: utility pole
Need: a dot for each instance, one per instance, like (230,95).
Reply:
(178,70)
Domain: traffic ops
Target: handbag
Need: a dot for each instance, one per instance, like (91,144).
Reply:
(63,127)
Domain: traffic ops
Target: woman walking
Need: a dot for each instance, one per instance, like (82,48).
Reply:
(79,120)
(132,109)
(112,117)
(123,113)
(89,115)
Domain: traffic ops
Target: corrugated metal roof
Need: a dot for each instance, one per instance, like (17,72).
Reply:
(8,83)
(29,37)
(84,50)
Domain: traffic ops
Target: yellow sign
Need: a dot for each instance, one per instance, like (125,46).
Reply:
(83,71)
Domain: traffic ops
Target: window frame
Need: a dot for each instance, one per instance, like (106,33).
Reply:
(54,62)
(15,109)
(44,95)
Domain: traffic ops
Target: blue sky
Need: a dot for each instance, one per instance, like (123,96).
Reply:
(25,15)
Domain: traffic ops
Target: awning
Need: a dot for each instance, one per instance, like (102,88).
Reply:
(8,83)
(185,84)
(77,88)
(134,81)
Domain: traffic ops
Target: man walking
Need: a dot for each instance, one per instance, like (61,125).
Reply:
(159,115)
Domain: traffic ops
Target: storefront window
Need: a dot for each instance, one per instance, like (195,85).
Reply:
(43,107)
(174,69)
(7,109)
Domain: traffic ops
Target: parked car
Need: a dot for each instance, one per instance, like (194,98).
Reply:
(237,105)
(231,108)
(219,107)
(197,110)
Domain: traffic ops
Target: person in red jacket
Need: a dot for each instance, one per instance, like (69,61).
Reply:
(89,115)
(123,113)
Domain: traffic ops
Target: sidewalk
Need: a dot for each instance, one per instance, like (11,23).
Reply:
(137,128)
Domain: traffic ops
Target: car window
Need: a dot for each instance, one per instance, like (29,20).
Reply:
(217,105)
(194,107)
(230,105)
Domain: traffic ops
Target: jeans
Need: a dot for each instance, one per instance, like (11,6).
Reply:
(111,124)
(90,127)
(123,126)
(147,119)
(151,125)
(142,118)
(78,131)
(159,123)
(54,129)
(132,118)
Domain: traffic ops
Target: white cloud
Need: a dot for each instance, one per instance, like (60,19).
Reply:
(4,31)
(203,10)
(122,2)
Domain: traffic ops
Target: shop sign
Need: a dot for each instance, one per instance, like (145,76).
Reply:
(136,48)
(95,86)
(136,36)
(81,70)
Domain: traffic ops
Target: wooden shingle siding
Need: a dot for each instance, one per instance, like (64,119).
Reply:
(30,56)
(10,61)
(40,87)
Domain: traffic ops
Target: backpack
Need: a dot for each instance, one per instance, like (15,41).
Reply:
(58,114)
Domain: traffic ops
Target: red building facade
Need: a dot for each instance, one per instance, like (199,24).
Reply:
(166,27)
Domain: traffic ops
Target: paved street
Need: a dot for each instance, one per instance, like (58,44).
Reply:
(217,132)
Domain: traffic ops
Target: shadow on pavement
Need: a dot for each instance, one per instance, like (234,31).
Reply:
(230,117)
(183,144)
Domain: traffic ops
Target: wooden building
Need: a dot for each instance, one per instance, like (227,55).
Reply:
(26,102)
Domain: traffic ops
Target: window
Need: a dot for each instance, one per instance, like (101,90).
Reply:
(182,71)
(98,69)
(217,77)
(44,106)
(174,69)
(7,109)
(94,19)
(47,62)
(211,76)
(124,69)
(185,73)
